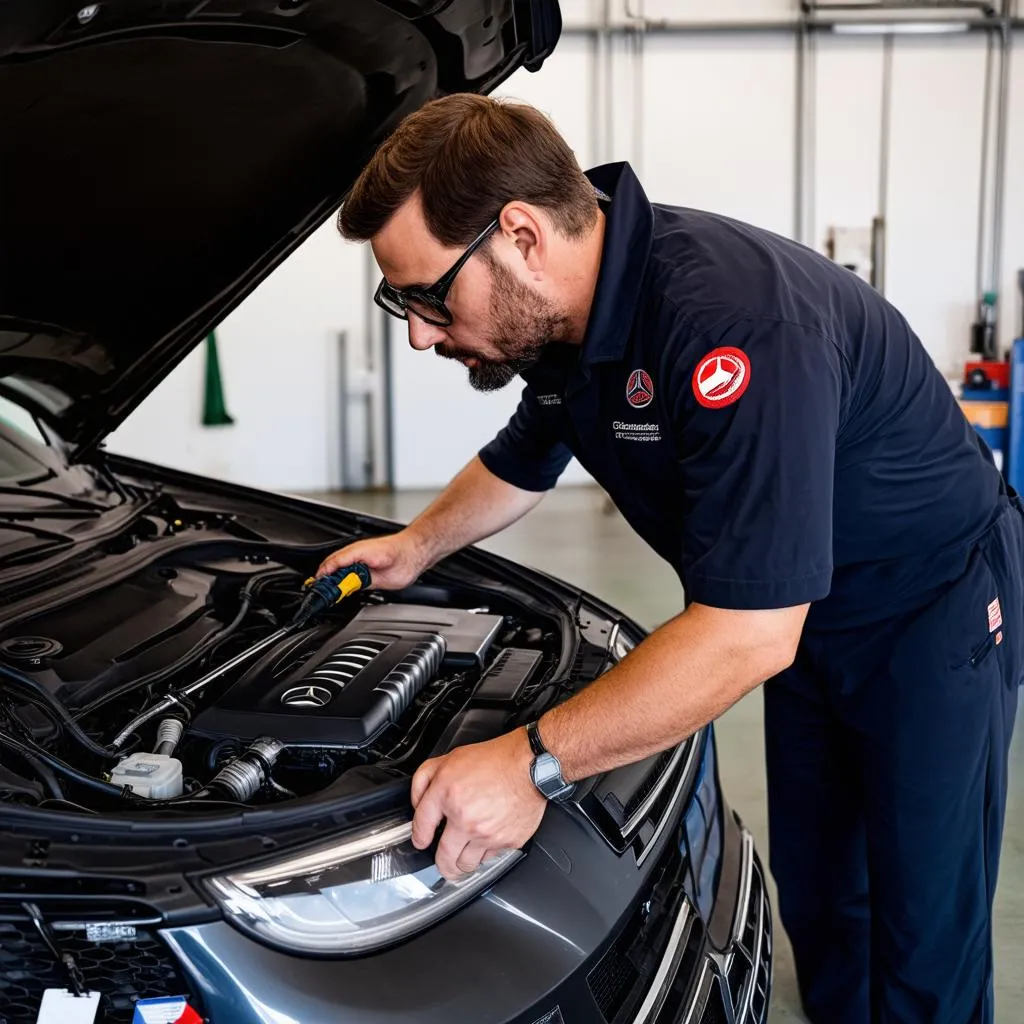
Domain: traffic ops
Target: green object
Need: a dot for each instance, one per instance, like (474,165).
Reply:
(215,413)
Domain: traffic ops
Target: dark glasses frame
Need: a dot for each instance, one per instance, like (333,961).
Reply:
(428,303)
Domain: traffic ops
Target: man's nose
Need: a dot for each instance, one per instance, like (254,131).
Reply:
(423,336)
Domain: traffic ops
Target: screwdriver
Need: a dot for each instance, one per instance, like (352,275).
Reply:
(328,590)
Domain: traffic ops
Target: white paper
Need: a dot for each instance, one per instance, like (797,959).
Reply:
(59,1006)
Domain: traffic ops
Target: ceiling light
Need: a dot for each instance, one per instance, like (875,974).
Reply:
(874,28)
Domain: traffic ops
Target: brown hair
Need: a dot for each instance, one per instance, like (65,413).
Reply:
(469,155)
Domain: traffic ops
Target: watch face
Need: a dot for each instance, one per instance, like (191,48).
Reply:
(546,773)
(547,770)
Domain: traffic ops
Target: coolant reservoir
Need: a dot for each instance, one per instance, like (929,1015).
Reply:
(155,776)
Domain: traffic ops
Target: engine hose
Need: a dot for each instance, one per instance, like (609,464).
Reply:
(40,695)
(59,766)
(249,592)
(168,670)
(49,779)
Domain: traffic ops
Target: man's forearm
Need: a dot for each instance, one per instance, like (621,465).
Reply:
(475,505)
(683,676)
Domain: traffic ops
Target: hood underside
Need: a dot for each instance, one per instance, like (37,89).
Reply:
(159,159)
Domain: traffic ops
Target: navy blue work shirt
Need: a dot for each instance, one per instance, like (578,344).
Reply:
(765,420)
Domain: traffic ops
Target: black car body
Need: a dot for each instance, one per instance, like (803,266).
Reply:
(158,160)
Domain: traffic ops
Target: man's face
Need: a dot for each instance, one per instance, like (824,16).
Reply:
(501,320)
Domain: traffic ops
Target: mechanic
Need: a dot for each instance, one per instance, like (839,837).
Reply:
(774,429)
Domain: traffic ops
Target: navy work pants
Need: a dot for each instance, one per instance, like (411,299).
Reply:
(887,772)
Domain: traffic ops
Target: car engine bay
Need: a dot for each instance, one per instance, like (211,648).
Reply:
(188,685)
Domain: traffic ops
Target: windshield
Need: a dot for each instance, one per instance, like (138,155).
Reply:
(16,459)
(38,483)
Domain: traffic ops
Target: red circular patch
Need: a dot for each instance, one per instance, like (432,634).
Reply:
(721,377)
(639,389)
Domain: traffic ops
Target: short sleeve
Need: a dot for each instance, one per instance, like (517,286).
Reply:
(756,419)
(528,452)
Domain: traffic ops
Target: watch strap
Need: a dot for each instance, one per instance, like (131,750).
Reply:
(545,770)
(533,734)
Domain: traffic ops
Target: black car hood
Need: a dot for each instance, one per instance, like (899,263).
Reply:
(159,157)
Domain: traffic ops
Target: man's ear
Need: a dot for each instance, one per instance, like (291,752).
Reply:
(526,227)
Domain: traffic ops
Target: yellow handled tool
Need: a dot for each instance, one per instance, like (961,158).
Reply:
(327,591)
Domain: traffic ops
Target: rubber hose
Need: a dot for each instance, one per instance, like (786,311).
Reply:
(47,699)
(54,762)
(186,659)
(49,779)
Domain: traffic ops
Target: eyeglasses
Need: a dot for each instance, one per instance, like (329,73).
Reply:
(428,303)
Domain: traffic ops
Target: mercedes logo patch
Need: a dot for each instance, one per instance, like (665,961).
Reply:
(306,697)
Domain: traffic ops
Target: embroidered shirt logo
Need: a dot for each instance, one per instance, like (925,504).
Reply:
(639,389)
(625,431)
(549,399)
(995,616)
(721,377)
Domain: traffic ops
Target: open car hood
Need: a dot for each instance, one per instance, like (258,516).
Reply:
(158,158)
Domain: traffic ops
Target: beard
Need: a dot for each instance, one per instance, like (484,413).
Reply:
(524,323)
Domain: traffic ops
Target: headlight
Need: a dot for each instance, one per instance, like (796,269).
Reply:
(353,895)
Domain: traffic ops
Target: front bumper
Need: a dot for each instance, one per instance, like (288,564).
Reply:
(576,934)
(690,944)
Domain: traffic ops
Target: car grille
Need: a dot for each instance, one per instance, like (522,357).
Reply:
(121,971)
(653,779)
(749,973)
(664,968)
(714,1011)
(614,978)
(622,976)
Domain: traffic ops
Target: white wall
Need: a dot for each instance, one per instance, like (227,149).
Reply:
(718,125)
(934,182)
(279,361)
(717,132)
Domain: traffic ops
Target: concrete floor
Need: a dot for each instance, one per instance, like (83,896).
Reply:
(572,536)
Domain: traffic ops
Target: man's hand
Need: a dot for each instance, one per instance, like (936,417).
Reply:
(394,561)
(485,792)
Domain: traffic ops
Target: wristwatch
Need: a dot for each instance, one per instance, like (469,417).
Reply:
(546,770)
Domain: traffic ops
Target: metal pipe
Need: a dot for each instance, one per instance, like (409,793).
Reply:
(999,183)
(888,5)
(171,700)
(811,187)
(637,40)
(595,156)
(979,277)
(773,27)
(800,132)
(609,90)
(884,148)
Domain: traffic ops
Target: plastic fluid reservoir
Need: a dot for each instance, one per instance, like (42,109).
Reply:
(156,776)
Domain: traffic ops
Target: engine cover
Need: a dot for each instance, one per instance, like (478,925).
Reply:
(341,689)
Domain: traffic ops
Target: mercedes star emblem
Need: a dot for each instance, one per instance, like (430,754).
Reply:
(306,697)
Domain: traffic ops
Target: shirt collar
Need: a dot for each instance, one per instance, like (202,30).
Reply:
(629,229)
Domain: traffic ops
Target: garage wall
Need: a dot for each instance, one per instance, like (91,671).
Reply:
(934,184)
(439,422)
(717,131)
(718,125)
(279,362)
